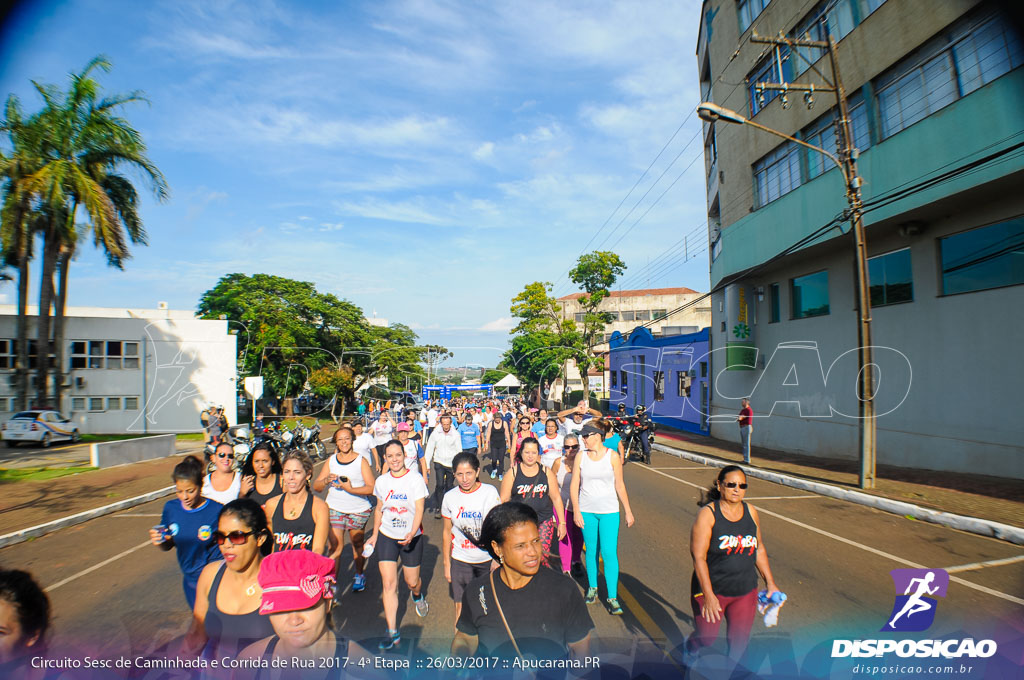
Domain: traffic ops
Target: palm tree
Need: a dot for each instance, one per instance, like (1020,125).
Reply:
(86,142)
(17,222)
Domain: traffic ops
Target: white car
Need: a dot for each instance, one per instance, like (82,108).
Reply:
(42,427)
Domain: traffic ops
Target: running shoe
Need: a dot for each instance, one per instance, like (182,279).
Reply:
(390,641)
(422,607)
(613,607)
(359,583)
(493,474)
(501,477)
(591,595)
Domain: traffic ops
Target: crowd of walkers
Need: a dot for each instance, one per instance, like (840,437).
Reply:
(260,551)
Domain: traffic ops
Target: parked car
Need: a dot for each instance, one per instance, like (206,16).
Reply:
(42,427)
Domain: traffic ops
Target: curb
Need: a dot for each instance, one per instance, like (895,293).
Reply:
(973,525)
(72,520)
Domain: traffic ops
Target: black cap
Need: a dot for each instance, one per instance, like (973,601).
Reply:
(590,429)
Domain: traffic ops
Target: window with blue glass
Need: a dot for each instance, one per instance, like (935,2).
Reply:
(890,279)
(809,295)
(983,258)
(774,303)
(767,71)
(749,10)
(822,133)
(970,55)
(828,18)
(777,173)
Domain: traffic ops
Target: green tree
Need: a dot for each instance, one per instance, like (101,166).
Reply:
(493,375)
(85,145)
(595,273)
(330,382)
(537,358)
(541,321)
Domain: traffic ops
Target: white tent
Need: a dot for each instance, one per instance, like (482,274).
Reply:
(507,383)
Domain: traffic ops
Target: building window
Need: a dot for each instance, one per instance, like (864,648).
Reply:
(950,67)
(5,404)
(643,315)
(822,133)
(890,279)
(86,354)
(659,386)
(809,295)
(615,378)
(716,248)
(983,258)
(658,314)
(683,383)
(622,378)
(77,403)
(131,403)
(579,316)
(6,353)
(628,316)
(774,303)
(749,10)
(869,6)
(703,369)
(838,16)
(767,71)
(113,403)
(777,173)
(95,403)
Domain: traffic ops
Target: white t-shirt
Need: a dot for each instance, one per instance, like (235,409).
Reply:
(432,417)
(381,432)
(467,512)
(550,449)
(340,500)
(412,456)
(363,445)
(571,427)
(398,496)
(478,420)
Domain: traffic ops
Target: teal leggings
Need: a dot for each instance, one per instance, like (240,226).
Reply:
(602,531)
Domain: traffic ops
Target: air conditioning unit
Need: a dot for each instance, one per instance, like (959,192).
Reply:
(80,382)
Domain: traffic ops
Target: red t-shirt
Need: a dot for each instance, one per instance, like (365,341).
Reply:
(746,414)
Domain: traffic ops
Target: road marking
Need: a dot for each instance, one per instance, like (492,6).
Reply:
(93,568)
(855,544)
(696,467)
(138,514)
(981,565)
(778,498)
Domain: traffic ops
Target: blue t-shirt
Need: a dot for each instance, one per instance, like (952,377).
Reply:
(613,442)
(192,532)
(469,434)
(417,426)
(538,428)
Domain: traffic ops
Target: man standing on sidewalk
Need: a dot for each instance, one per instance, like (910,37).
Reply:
(745,420)
(442,447)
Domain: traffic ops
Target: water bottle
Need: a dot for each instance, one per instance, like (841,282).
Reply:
(770,606)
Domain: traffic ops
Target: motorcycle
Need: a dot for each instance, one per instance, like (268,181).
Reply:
(310,440)
(631,429)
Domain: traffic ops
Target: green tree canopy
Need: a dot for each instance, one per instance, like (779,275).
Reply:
(595,273)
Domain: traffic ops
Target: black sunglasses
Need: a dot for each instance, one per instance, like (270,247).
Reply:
(225,455)
(733,485)
(574,447)
(236,537)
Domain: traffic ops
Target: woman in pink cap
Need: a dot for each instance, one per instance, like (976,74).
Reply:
(297,595)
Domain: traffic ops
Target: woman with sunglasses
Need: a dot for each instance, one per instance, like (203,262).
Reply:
(226,616)
(571,546)
(597,488)
(532,483)
(521,434)
(186,524)
(225,484)
(728,554)
(497,442)
(299,520)
(264,465)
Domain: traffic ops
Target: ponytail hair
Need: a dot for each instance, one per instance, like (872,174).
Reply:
(190,469)
(712,494)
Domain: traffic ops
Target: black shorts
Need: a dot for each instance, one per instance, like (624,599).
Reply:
(463,573)
(388,550)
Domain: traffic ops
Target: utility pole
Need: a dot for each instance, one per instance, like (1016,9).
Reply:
(847,156)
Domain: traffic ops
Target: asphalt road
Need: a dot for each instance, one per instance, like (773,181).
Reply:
(114,594)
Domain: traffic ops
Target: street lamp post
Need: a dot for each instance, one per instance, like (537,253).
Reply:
(847,164)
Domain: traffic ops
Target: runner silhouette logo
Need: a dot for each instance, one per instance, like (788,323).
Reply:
(915,605)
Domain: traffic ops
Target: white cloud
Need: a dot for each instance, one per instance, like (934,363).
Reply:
(501,325)
(484,151)
(327,226)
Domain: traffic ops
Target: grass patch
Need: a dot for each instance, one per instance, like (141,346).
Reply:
(38,474)
(97,438)
(191,437)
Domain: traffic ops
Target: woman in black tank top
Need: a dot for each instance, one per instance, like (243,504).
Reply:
(298,519)
(497,444)
(264,466)
(537,486)
(228,592)
(728,554)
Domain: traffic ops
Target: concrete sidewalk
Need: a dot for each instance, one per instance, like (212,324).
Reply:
(981,496)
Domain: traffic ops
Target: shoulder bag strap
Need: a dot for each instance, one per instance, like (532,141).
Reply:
(508,630)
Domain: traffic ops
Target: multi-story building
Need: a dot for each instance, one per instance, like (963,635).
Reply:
(133,370)
(663,311)
(935,92)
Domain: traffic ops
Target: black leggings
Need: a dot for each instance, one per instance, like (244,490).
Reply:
(498,459)
(444,481)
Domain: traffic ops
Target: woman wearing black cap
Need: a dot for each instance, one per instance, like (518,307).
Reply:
(520,609)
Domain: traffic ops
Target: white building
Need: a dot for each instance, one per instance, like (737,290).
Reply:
(133,370)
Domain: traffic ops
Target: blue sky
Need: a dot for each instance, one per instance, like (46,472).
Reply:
(423,159)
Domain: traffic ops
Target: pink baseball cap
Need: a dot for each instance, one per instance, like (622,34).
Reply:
(295,579)
(403,427)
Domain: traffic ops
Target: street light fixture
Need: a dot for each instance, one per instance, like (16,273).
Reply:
(711,112)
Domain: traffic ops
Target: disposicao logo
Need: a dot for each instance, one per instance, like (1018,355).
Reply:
(914,611)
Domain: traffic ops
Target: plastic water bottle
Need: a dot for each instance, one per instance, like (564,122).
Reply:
(368,549)
(770,606)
